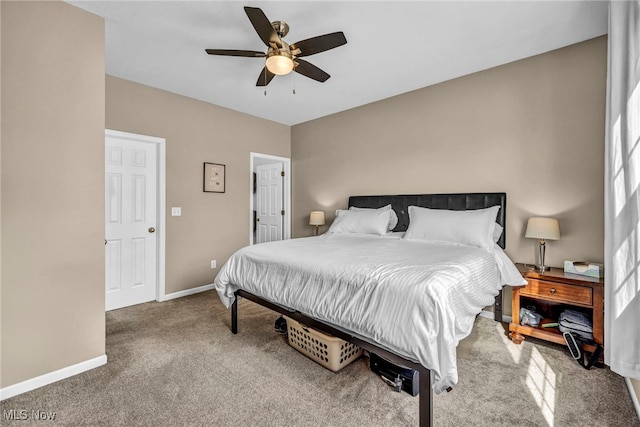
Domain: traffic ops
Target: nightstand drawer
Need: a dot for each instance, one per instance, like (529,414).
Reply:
(558,292)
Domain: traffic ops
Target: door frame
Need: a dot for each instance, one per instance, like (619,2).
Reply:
(286,191)
(161,158)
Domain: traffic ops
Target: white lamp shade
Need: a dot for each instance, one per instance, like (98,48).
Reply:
(316,218)
(279,64)
(543,228)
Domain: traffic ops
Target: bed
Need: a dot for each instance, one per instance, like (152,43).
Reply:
(396,293)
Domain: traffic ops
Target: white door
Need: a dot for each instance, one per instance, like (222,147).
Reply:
(270,213)
(130,221)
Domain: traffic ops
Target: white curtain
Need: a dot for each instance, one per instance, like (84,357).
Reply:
(622,188)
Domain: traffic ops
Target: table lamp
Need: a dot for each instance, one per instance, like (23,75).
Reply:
(542,229)
(316,218)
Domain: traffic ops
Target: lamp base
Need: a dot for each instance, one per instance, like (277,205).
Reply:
(541,267)
(538,267)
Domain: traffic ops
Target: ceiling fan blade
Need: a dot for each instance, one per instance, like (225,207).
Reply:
(262,26)
(233,52)
(307,69)
(319,44)
(265,77)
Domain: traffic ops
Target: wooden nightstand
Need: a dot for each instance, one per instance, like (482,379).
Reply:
(550,293)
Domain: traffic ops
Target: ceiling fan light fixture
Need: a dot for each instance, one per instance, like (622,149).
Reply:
(282,57)
(279,63)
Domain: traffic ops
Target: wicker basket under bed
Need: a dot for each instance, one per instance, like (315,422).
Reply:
(331,352)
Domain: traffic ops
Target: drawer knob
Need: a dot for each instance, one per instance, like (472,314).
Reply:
(552,290)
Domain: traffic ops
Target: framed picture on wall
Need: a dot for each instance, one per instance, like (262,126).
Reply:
(213,178)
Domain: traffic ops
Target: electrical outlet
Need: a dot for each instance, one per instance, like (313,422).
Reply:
(176,211)
(213,263)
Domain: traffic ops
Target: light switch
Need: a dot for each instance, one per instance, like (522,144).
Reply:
(176,211)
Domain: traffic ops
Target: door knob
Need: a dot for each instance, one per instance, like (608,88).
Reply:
(152,230)
(257,219)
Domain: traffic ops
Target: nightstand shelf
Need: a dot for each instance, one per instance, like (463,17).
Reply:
(551,292)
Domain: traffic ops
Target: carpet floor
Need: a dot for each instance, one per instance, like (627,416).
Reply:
(176,363)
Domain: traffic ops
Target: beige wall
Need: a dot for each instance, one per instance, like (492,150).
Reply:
(533,128)
(52,294)
(212,225)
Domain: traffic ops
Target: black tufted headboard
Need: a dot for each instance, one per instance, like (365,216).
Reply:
(455,201)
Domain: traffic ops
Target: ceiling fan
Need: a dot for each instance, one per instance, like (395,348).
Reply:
(282,58)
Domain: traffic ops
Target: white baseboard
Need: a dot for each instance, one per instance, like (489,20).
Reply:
(186,292)
(51,377)
(489,315)
(634,397)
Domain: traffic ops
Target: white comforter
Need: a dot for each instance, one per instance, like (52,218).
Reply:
(415,298)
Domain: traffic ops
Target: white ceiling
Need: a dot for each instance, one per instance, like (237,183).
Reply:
(393,47)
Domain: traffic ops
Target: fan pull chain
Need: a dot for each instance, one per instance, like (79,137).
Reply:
(265,81)
(294,84)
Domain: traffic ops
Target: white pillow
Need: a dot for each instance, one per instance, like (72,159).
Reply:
(393,217)
(471,227)
(497,232)
(370,221)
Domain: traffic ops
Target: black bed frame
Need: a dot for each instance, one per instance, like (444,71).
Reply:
(400,203)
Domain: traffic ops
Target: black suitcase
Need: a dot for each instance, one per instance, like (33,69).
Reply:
(399,377)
